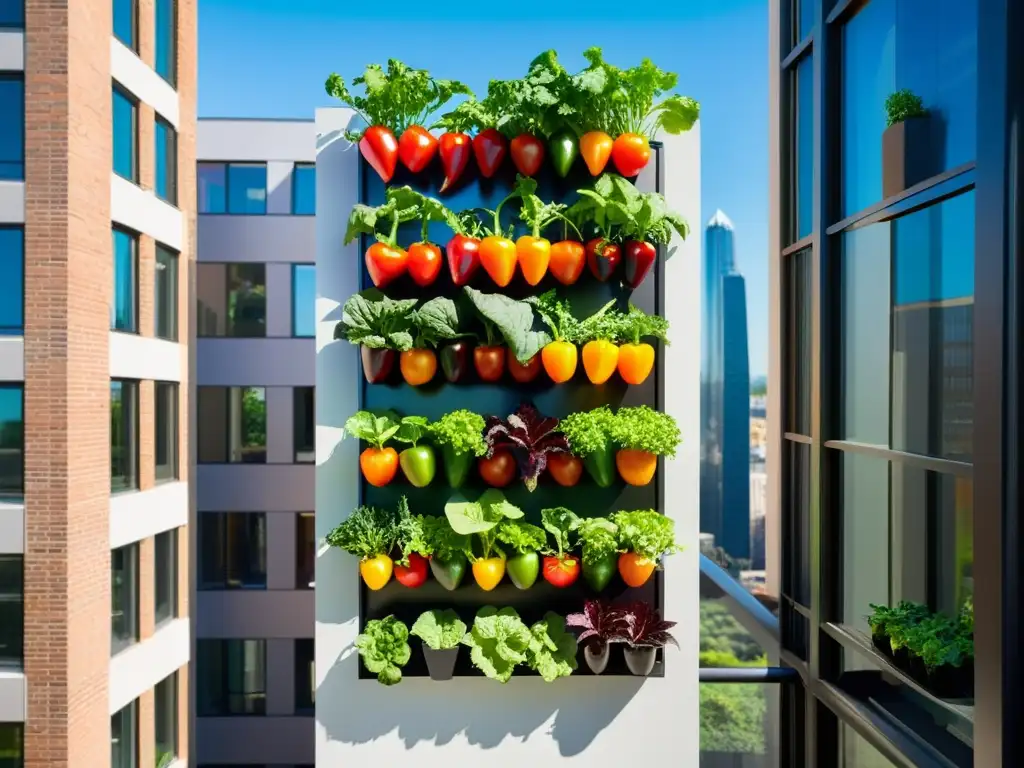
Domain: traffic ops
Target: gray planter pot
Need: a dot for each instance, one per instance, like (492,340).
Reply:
(640,660)
(597,656)
(440,664)
(911,153)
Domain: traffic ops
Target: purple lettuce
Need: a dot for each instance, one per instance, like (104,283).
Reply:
(529,437)
(645,628)
(601,623)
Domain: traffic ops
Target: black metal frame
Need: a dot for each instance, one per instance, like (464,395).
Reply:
(811,728)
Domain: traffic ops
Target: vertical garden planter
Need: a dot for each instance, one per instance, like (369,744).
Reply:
(908,154)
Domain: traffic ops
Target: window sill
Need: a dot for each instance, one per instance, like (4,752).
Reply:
(123,491)
(164,480)
(125,331)
(116,650)
(129,179)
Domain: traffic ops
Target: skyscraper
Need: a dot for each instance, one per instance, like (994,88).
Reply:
(725,394)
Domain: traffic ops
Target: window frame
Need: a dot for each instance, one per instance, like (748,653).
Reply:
(295,304)
(133,241)
(131,434)
(295,185)
(170,140)
(222,523)
(132,607)
(128,96)
(133,45)
(228,279)
(226,407)
(169,264)
(204,708)
(19,174)
(12,596)
(17,493)
(17,330)
(167,473)
(166,542)
(171,693)
(171,78)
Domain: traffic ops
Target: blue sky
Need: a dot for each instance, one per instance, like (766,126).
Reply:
(270,59)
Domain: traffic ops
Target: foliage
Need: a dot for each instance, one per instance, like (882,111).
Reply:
(600,621)
(375,429)
(556,314)
(902,105)
(645,429)
(646,533)
(636,325)
(606,324)
(367,532)
(732,718)
(588,431)
(599,538)
(372,319)
(521,537)
(514,320)
(367,219)
(440,630)
(439,540)
(534,212)
(438,320)
(409,536)
(531,104)
(967,616)
(384,647)
(617,207)
(412,429)
(481,517)
(724,638)
(552,650)
(397,97)
(498,641)
(529,437)
(644,627)
(462,431)
(936,639)
(560,522)
(254,413)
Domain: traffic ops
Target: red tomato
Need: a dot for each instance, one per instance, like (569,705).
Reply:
(565,468)
(561,571)
(415,574)
(526,372)
(416,148)
(499,470)
(489,362)
(424,264)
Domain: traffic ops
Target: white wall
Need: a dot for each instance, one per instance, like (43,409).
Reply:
(588,720)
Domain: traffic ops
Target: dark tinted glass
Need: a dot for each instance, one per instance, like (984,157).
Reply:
(305,555)
(232,425)
(124,737)
(305,682)
(232,300)
(166,412)
(124,591)
(303,422)
(858,753)
(165,697)
(12,745)
(123,313)
(232,550)
(12,440)
(165,294)
(805,17)
(166,161)
(12,612)
(304,189)
(796,341)
(797,515)
(125,124)
(12,126)
(166,40)
(166,571)
(303,300)
(231,676)
(12,280)
(804,147)
(247,188)
(125,12)
(866,552)
(12,14)
(212,187)
(124,435)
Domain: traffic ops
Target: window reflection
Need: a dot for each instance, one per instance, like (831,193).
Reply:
(857,753)
(804,147)
(125,128)
(12,440)
(738,725)
(212,187)
(232,677)
(12,126)
(232,300)
(247,188)
(303,424)
(232,425)
(305,555)
(123,312)
(303,300)
(304,189)
(305,680)
(12,280)
(232,550)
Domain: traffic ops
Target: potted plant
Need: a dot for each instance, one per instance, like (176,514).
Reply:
(599,544)
(645,536)
(906,143)
(601,625)
(561,567)
(380,326)
(460,435)
(411,565)
(445,550)
(644,633)
(642,435)
(482,518)
(441,633)
(524,540)
(890,627)
(498,642)
(589,434)
(529,438)
(384,648)
(419,465)
(369,533)
(552,650)
(378,462)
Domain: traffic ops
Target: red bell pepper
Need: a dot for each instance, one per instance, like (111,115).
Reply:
(455,150)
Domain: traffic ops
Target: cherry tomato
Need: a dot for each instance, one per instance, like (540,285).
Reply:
(499,470)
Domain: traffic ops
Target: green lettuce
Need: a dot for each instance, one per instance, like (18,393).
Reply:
(384,648)
(498,641)
(552,650)
(440,630)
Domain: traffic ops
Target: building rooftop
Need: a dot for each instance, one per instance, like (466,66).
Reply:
(721,220)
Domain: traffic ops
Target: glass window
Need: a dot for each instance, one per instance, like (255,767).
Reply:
(232,550)
(166,412)
(124,737)
(232,300)
(126,22)
(165,698)
(797,522)
(12,126)
(124,310)
(303,300)
(12,440)
(126,126)
(167,40)
(734,723)
(305,681)
(858,753)
(12,279)
(166,575)
(211,187)
(165,294)
(166,154)
(796,340)
(803,147)
(304,437)
(12,14)
(124,591)
(304,189)
(305,555)
(124,435)
(12,745)
(232,425)
(232,677)
(247,188)
(805,17)
(12,612)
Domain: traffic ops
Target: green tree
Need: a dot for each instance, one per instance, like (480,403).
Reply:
(732,718)
(254,418)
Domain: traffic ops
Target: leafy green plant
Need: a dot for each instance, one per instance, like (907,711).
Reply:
(967,616)
(409,536)
(530,104)
(372,319)
(599,538)
(384,648)
(884,620)
(552,650)
(902,105)
(498,642)
(367,532)
(521,537)
(481,517)
(636,325)
(646,533)
(530,437)
(440,630)
(588,431)
(619,208)
(397,97)
(462,431)
(511,319)
(560,522)
(645,429)
(373,428)
(438,320)
(439,540)
(557,315)
(605,323)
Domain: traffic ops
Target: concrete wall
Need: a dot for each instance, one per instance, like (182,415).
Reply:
(591,721)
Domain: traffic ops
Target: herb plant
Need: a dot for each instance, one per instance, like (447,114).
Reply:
(366,533)
(902,105)
(375,321)
(439,540)
(636,325)
(520,537)
(589,435)
(384,648)
(462,431)
(498,642)
(440,630)
(644,429)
